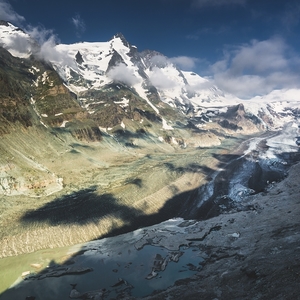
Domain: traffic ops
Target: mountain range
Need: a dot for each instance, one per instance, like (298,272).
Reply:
(95,91)
(99,138)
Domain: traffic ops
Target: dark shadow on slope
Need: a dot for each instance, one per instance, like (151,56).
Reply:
(86,206)
(82,207)
(193,167)
(225,158)
(136,181)
(53,282)
(172,208)
(77,145)
(238,178)
(190,125)
(151,116)
(126,137)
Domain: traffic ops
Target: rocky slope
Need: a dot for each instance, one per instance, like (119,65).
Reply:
(83,96)
(252,254)
(109,89)
(106,118)
(98,138)
(248,254)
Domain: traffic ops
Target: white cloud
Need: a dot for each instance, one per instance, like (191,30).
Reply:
(184,62)
(7,13)
(48,51)
(205,85)
(40,34)
(123,74)
(79,24)
(45,38)
(47,41)
(203,3)
(257,68)
(160,80)
(159,61)
(260,56)
(19,45)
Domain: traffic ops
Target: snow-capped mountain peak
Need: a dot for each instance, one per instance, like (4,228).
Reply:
(15,40)
(150,75)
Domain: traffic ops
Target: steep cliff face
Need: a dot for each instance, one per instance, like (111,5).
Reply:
(33,93)
(33,104)
(252,254)
(14,92)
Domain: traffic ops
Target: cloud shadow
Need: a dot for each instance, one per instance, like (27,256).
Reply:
(87,206)
(82,207)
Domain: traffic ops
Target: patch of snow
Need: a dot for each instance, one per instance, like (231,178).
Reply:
(44,77)
(43,123)
(36,82)
(64,123)
(166,126)
(223,110)
(283,143)
(123,125)
(174,141)
(33,70)
(235,235)
(142,92)
(278,143)
(124,103)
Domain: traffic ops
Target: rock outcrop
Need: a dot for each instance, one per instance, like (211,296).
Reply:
(253,254)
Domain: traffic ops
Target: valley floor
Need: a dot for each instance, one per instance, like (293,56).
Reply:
(250,254)
(243,250)
(103,199)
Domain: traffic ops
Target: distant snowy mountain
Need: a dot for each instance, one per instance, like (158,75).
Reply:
(94,65)
(89,68)
(111,94)
(154,77)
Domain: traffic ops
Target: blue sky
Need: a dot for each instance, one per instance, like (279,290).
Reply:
(241,44)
